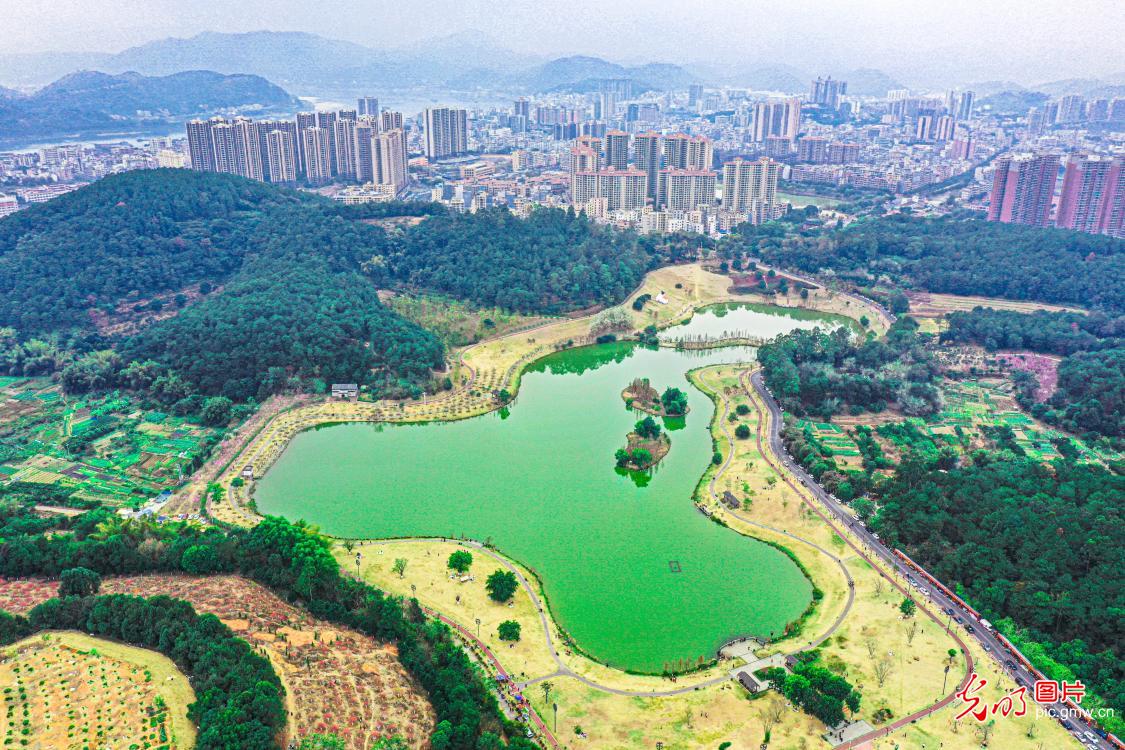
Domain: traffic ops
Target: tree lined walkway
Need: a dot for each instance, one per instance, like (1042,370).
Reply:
(755,388)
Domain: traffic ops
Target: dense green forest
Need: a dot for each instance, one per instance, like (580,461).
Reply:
(293,561)
(1042,545)
(1091,394)
(287,284)
(288,310)
(819,373)
(137,233)
(957,256)
(1039,331)
(294,304)
(552,262)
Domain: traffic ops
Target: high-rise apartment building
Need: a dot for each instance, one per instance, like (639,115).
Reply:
(1093,194)
(390,160)
(1022,188)
(345,157)
(647,151)
(366,130)
(687,152)
(1072,109)
(368,106)
(390,120)
(281,155)
(826,92)
(201,154)
(779,117)
(686,189)
(843,153)
(316,145)
(813,150)
(622,189)
(1097,110)
(446,132)
(751,187)
(617,149)
(965,105)
(230,146)
(778,146)
(695,95)
(605,106)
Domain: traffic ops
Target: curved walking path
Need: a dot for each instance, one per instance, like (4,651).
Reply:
(564,670)
(754,384)
(761,450)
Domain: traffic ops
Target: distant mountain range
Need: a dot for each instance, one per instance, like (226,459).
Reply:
(308,64)
(91,103)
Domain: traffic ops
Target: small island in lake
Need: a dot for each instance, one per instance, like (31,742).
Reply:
(642,396)
(646,445)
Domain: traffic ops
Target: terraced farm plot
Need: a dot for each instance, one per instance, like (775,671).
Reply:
(972,408)
(104,448)
(69,690)
(338,681)
(836,440)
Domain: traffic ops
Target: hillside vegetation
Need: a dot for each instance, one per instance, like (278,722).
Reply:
(958,255)
(294,303)
(286,284)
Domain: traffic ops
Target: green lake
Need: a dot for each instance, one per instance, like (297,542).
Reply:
(631,569)
(729,319)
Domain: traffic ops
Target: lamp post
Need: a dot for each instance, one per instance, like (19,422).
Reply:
(478,628)
(555,706)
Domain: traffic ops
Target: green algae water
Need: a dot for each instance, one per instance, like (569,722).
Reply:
(631,569)
(732,318)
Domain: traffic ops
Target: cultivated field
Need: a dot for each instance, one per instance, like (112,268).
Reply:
(931,305)
(68,690)
(104,448)
(336,680)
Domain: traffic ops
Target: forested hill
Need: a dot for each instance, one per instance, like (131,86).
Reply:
(551,262)
(968,256)
(137,233)
(294,303)
(272,288)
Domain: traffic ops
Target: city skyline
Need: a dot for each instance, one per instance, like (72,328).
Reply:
(924,44)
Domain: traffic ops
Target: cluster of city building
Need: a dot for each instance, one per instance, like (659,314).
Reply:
(701,159)
(28,177)
(361,145)
(1091,199)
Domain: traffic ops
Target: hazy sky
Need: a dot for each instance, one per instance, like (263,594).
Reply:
(1028,40)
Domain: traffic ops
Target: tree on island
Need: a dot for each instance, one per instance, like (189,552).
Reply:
(501,585)
(461,561)
(642,457)
(79,582)
(647,428)
(674,402)
(509,630)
